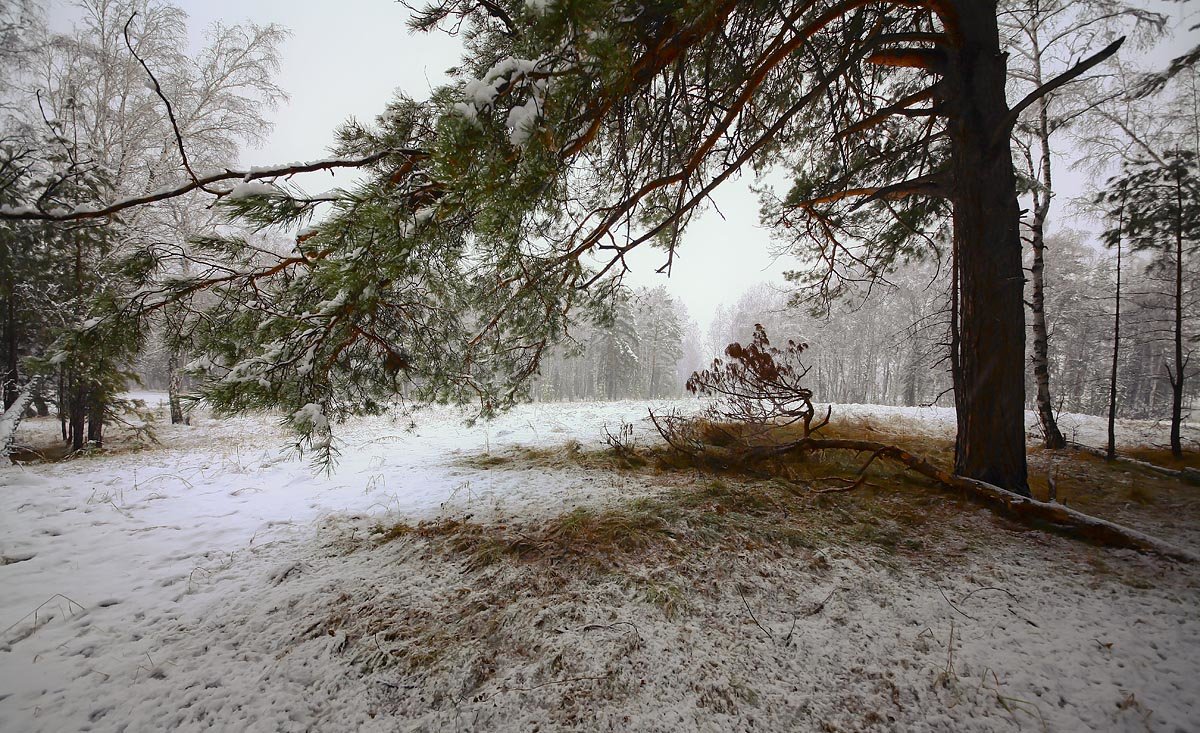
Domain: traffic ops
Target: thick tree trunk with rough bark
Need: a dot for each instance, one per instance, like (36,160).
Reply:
(990,398)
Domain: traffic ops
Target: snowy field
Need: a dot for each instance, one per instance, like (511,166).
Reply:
(214,583)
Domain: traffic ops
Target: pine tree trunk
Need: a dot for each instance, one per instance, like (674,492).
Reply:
(77,409)
(990,403)
(76,412)
(95,417)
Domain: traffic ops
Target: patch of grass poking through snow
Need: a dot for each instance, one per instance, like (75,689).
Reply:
(893,509)
(1163,457)
(570,455)
(667,597)
(725,514)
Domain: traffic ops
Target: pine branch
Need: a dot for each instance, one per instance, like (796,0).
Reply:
(26,213)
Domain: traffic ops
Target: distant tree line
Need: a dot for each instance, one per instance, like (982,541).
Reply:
(886,347)
(637,351)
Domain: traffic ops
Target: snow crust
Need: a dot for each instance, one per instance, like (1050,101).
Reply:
(173,588)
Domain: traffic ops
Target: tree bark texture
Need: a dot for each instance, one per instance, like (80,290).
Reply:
(990,400)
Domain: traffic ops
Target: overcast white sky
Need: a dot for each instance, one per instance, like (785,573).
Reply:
(346,58)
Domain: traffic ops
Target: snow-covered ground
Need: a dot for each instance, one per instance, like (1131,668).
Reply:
(179,586)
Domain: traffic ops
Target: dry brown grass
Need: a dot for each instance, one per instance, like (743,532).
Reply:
(660,548)
(568,455)
(1138,497)
(717,499)
(782,504)
(1162,457)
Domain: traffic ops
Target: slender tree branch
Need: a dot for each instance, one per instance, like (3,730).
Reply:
(1061,80)
(96,212)
(899,107)
(493,9)
(170,110)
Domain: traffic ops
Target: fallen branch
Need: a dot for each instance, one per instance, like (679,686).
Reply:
(752,616)
(1190,475)
(11,419)
(1077,523)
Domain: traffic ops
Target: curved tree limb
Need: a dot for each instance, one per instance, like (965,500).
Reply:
(1061,80)
(183,156)
(1022,508)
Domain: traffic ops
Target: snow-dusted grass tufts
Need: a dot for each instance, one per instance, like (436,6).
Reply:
(714,514)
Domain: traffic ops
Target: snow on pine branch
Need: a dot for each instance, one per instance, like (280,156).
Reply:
(505,76)
(250,184)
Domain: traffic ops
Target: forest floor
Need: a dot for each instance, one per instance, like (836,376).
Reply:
(521,576)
